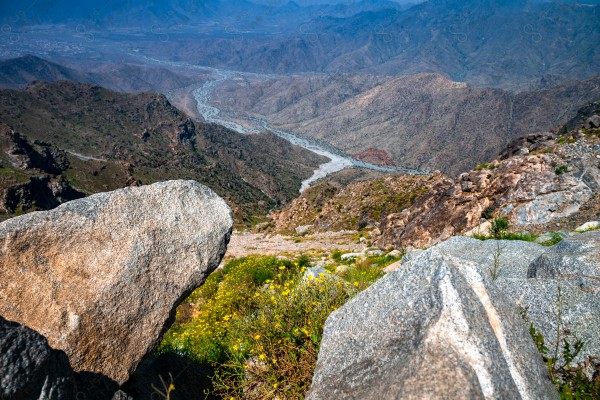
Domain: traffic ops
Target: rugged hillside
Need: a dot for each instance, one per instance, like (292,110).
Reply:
(90,139)
(486,43)
(544,182)
(421,121)
(18,72)
(330,206)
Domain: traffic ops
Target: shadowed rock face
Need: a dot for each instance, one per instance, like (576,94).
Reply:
(100,277)
(30,368)
(441,327)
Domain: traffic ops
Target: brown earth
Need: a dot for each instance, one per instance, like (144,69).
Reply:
(423,121)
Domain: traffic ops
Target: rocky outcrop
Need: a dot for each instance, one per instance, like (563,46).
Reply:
(375,156)
(327,206)
(30,178)
(458,314)
(39,155)
(100,277)
(542,182)
(42,192)
(31,369)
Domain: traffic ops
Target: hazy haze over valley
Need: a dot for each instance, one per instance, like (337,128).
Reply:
(425,85)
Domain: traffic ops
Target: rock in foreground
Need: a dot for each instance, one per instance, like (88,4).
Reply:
(438,327)
(30,368)
(100,277)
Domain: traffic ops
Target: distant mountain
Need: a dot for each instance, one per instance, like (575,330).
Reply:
(422,121)
(19,72)
(485,43)
(231,16)
(62,140)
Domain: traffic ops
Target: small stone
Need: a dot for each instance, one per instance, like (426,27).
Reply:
(314,273)
(303,229)
(350,256)
(374,252)
(588,226)
(394,253)
(392,267)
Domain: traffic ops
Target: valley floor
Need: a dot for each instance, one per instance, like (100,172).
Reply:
(243,243)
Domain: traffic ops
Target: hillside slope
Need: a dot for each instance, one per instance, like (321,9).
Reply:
(93,140)
(422,121)
(546,181)
(17,73)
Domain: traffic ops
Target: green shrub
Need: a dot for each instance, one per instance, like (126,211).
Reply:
(336,255)
(569,379)
(488,213)
(499,227)
(259,324)
(561,170)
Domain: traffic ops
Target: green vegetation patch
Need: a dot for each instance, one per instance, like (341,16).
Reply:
(258,322)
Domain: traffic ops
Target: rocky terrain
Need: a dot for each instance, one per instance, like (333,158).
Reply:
(443,315)
(62,140)
(422,121)
(332,206)
(544,182)
(128,238)
(129,77)
(455,312)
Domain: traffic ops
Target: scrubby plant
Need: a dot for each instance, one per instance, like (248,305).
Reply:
(561,170)
(336,255)
(488,213)
(570,380)
(259,323)
(499,227)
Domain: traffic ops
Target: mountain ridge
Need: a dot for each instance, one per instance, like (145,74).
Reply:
(111,140)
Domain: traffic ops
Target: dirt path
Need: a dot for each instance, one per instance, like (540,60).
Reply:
(243,244)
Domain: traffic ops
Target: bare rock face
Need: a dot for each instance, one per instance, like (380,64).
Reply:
(31,369)
(529,189)
(437,327)
(100,277)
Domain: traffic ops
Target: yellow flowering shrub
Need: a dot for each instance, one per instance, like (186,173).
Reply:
(259,324)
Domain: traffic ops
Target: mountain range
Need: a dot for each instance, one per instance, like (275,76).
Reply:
(421,121)
(487,43)
(63,140)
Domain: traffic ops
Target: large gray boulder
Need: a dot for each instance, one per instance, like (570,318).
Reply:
(29,368)
(101,277)
(441,327)
(531,276)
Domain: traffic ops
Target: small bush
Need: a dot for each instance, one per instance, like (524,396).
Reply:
(569,379)
(336,255)
(561,170)
(499,227)
(259,324)
(488,213)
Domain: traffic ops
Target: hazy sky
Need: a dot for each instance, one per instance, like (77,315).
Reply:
(309,2)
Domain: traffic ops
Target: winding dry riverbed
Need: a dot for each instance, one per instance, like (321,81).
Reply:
(203,94)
